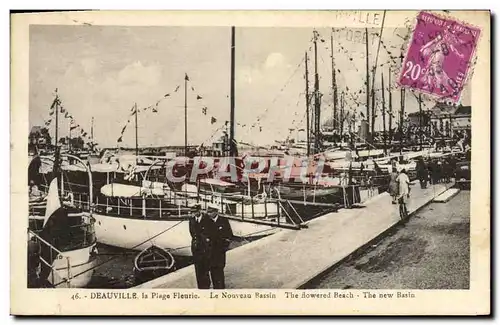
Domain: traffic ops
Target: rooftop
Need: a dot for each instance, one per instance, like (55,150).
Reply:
(446,109)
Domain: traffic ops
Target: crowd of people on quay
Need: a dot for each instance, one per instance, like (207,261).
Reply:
(430,171)
(436,171)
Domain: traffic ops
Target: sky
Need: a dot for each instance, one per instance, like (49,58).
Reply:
(102,71)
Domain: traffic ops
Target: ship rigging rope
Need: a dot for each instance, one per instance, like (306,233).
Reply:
(259,117)
(393,60)
(109,260)
(378,50)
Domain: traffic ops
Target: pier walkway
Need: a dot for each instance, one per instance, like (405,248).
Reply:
(291,258)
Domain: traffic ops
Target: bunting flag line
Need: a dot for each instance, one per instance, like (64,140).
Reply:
(155,108)
(54,102)
(67,115)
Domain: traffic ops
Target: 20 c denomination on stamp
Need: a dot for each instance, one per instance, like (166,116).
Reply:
(439,56)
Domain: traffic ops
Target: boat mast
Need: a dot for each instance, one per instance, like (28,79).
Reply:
(316,98)
(185,116)
(57,118)
(374,73)
(232,145)
(334,86)
(341,115)
(383,116)
(390,106)
(420,117)
(92,132)
(401,117)
(136,132)
(308,131)
(367,82)
(69,137)
(372,131)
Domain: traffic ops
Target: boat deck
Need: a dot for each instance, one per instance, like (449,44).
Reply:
(292,258)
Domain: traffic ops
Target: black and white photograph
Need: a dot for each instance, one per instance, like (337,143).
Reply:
(255,158)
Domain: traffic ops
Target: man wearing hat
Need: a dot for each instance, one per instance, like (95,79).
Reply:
(200,247)
(219,234)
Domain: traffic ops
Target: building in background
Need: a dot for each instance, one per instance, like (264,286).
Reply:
(448,121)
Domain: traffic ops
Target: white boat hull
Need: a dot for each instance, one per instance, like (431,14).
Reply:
(173,235)
(80,271)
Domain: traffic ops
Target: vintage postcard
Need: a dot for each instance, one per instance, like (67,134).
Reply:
(250,163)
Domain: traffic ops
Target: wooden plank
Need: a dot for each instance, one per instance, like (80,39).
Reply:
(290,258)
(447,195)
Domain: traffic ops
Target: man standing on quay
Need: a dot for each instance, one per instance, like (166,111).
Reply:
(219,234)
(200,247)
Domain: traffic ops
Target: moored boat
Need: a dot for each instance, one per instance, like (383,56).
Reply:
(151,263)
(136,219)
(67,244)
(61,237)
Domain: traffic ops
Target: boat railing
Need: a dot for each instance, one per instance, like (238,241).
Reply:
(54,253)
(121,209)
(264,210)
(73,236)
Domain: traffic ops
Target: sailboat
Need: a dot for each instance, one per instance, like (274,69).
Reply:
(65,242)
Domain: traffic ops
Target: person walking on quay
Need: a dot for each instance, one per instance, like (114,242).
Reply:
(439,171)
(404,194)
(200,247)
(422,173)
(393,183)
(219,234)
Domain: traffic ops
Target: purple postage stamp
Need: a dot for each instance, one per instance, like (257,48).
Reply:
(439,56)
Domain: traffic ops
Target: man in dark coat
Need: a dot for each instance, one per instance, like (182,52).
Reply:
(220,234)
(200,247)
(422,173)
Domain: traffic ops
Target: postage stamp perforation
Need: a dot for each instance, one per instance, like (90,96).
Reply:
(439,55)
